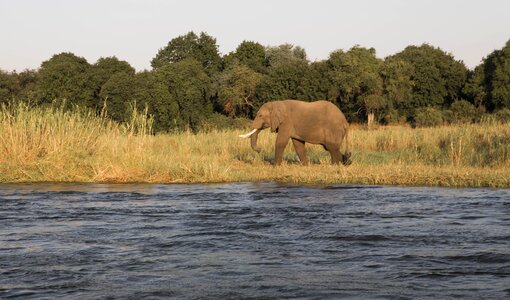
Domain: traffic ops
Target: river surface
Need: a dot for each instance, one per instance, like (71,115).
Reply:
(253,240)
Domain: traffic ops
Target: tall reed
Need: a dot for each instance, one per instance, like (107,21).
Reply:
(51,143)
(54,144)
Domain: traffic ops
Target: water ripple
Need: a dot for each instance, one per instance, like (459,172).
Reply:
(253,240)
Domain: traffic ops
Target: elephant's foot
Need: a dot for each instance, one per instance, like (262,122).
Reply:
(346,159)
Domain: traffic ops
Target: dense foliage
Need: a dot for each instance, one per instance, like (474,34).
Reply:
(191,84)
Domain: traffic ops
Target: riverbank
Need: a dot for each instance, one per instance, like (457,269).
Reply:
(47,144)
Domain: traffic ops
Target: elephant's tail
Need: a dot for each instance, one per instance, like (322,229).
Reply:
(346,158)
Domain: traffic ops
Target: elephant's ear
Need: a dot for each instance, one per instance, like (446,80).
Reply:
(277,115)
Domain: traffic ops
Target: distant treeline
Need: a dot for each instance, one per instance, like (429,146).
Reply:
(191,85)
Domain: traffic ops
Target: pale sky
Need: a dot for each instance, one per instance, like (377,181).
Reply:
(31,31)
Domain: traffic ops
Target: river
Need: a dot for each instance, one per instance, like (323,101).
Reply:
(253,240)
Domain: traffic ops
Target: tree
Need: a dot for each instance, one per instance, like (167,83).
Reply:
(107,66)
(237,86)
(437,77)
(488,86)
(287,66)
(315,83)
(356,82)
(283,81)
(202,48)
(17,85)
(497,77)
(190,86)
(65,76)
(124,90)
(250,54)
(476,89)
(26,83)
(285,54)
(8,84)
(119,92)
(153,93)
(102,71)
(397,88)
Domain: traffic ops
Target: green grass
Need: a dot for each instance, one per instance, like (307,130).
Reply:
(50,144)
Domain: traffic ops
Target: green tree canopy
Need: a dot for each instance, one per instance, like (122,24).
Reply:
(283,81)
(497,78)
(250,54)
(105,67)
(153,93)
(102,71)
(111,65)
(398,87)
(285,54)
(65,76)
(287,66)
(202,48)
(315,83)
(476,88)
(124,90)
(437,77)
(189,81)
(8,86)
(27,81)
(190,86)
(237,87)
(356,81)
(488,85)
(119,93)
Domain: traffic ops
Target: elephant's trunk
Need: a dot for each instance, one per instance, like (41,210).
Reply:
(254,137)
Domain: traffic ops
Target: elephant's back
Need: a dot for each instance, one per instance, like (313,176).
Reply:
(314,105)
(319,108)
(331,110)
(321,113)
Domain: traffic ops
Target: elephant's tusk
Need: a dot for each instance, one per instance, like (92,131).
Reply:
(247,135)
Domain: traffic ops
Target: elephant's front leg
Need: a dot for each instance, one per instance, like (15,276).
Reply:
(281,143)
(300,150)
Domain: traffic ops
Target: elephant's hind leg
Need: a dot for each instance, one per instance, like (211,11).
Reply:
(334,151)
(299,146)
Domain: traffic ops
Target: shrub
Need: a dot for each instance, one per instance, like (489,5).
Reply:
(448,116)
(428,117)
(392,116)
(218,121)
(503,115)
(463,112)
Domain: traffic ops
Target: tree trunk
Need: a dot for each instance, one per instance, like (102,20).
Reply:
(370,118)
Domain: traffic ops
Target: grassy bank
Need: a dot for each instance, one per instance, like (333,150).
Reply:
(48,144)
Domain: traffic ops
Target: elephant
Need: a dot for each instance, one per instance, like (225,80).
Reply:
(320,122)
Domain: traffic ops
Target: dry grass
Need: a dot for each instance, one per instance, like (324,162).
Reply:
(48,144)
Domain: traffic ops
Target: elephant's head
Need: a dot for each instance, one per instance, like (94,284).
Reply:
(271,114)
